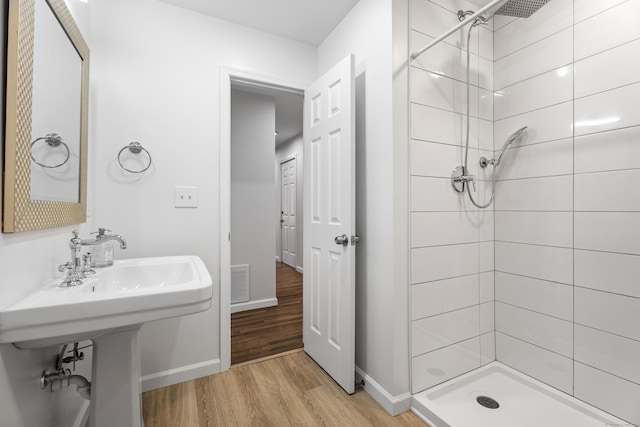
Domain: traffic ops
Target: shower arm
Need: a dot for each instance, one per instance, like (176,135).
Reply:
(470,19)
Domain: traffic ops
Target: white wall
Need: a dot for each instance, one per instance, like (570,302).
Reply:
(367,33)
(451,240)
(285,151)
(567,211)
(253,120)
(155,79)
(27,260)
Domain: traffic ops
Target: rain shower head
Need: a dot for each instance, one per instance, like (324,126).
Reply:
(521,8)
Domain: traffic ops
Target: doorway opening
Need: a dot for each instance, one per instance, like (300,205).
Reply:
(329,221)
(288,211)
(265,222)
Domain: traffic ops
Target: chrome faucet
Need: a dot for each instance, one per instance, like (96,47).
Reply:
(103,238)
(80,266)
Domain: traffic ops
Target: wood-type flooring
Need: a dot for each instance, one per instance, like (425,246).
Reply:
(267,331)
(290,390)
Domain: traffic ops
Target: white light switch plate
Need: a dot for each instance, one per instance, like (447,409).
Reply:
(185,197)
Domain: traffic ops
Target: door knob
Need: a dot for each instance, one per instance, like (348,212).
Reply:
(342,240)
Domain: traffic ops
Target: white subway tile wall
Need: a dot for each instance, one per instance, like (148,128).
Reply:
(520,33)
(608,392)
(541,296)
(540,57)
(567,207)
(608,151)
(609,110)
(544,125)
(445,363)
(537,362)
(547,280)
(549,333)
(615,24)
(550,88)
(452,242)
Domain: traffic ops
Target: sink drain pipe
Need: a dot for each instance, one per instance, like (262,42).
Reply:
(61,374)
(82,385)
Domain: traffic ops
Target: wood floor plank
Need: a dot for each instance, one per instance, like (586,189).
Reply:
(291,390)
(284,406)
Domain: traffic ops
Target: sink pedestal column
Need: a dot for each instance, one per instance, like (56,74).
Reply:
(115,380)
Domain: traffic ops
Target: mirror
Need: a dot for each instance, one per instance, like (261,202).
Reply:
(45,176)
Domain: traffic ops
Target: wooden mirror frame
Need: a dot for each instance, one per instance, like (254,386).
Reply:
(20,213)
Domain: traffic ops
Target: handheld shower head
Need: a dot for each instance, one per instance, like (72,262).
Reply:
(495,162)
(514,136)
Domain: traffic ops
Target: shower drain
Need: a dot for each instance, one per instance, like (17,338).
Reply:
(487,402)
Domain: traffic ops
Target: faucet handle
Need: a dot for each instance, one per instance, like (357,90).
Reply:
(67,266)
(472,179)
(75,240)
(86,264)
(101,232)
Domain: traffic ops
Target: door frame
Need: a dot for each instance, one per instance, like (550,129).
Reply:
(227,76)
(282,162)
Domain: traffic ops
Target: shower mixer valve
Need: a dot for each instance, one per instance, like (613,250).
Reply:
(459,178)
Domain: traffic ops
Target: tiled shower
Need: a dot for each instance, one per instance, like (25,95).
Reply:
(547,280)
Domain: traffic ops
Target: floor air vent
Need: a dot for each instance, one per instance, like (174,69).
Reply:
(239,283)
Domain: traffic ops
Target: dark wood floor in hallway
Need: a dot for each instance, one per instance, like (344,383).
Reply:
(268,331)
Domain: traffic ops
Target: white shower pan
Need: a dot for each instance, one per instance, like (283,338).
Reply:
(524,402)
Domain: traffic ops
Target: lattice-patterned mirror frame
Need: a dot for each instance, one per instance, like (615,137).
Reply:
(20,213)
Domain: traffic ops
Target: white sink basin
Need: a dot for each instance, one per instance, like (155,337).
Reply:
(109,308)
(130,292)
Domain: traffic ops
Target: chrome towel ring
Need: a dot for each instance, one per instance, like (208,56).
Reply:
(135,147)
(52,140)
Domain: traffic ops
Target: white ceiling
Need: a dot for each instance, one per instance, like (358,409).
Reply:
(308,21)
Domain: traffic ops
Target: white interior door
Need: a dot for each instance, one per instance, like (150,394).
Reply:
(288,212)
(329,221)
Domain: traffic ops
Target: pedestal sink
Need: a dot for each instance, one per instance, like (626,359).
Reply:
(109,308)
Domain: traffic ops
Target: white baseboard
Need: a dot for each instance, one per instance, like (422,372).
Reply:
(299,270)
(252,305)
(180,375)
(277,258)
(83,415)
(394,405)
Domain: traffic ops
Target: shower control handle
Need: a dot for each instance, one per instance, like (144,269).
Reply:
(473,181)
(459,178)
